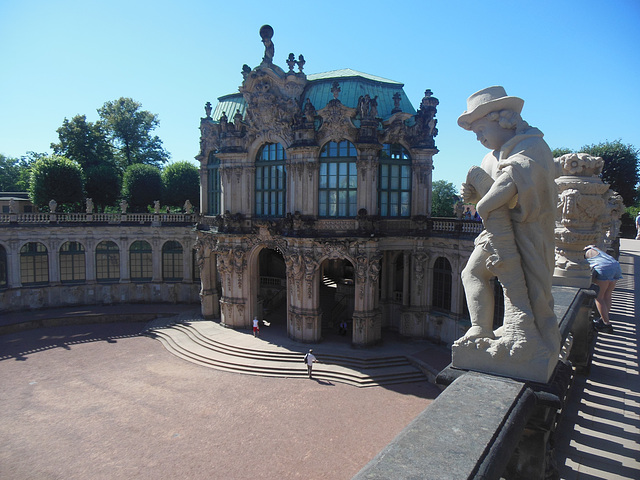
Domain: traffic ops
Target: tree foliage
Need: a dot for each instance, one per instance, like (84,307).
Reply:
(129,129)
(87,143)
(181,182)
(558,152)
(57,178)
(443,199)
(141,186)
(620,167)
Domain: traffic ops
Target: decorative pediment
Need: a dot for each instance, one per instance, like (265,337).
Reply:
(337,121)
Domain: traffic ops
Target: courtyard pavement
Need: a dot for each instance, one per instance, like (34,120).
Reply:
(98,400)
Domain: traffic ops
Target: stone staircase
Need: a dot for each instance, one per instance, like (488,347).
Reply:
(208,344)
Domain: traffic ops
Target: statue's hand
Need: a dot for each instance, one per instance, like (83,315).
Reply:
(469,193)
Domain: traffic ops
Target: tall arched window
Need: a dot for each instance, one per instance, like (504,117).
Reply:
(194,265)
(442,284)
(271,180)
(34,264)
(338,179)
(3,268)
(394,181)
(72,263)
(214,185)
(172,261)
(107,262)
(140,261)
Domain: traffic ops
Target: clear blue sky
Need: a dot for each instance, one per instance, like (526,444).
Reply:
(575,63)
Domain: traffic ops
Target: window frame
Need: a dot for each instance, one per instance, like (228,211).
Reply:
(107,262)
(394,181)
(34,264)
(77,260)
(140,261)
(174,265)
(338,180)
(270,185)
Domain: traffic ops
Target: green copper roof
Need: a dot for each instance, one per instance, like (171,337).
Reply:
(348,72)
(229,104)
(353,85)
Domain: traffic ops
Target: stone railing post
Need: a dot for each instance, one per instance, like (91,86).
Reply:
(582,209)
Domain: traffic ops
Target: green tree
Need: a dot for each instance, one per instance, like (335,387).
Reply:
(558,152)
(620,168)
(181,182)
(443,199)
(10,175)
(141,186)
(129,129)
(57,178)
(15,173)
(87,143)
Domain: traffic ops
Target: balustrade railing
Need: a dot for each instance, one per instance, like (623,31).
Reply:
(112,218)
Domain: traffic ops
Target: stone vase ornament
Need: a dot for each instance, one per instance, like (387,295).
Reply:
(582,212)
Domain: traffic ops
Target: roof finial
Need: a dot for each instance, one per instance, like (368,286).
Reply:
(266,32)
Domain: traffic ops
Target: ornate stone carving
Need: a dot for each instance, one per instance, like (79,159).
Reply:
(582,216)
(515,198)
(336,121)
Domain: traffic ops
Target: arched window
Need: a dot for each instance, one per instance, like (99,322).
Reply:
(214,186)
(338,179)
(271,180)
(442,284)
(394,181)
(172,261)
(3,267)
(72,263)
(107,262)
(34,264)
(140,261)
(194,265)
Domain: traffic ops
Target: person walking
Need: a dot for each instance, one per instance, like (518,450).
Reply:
(638,227)
(606,272)
(256,327)
(310,359)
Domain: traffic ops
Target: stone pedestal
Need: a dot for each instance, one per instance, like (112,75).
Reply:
(366,328)
(582,210)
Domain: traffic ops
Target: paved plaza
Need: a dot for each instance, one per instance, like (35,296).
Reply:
(100,401)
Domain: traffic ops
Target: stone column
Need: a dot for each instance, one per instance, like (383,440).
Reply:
(204,189)
(582,209)
(367,165)
(367,322)
(232,265)
(414,314)
(421,167)
(304,318)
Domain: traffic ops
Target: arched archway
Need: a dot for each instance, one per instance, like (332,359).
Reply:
(337,293)
(271,292)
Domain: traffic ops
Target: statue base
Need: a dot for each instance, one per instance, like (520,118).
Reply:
(506,357)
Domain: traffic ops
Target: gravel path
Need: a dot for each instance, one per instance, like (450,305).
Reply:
(102,402)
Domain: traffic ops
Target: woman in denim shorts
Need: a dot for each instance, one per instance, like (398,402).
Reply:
(606,272)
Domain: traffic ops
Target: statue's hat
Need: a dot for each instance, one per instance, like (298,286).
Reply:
(491,99)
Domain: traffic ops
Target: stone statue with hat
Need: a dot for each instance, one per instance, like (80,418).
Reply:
(515,194)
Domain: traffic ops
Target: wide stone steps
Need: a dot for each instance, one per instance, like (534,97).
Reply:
(201,343)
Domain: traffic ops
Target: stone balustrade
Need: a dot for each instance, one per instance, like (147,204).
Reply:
(110,218)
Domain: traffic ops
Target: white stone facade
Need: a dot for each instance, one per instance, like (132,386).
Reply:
(30,280)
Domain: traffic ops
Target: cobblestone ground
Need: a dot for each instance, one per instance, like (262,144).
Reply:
(102,402)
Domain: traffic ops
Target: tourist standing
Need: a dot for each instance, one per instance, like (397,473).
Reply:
(638,227)
(310,359)
(256,327)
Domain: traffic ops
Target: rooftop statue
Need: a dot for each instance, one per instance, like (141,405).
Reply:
(515,194)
